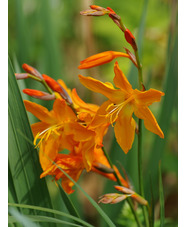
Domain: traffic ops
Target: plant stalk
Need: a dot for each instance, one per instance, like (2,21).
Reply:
(119,182)
(140,173)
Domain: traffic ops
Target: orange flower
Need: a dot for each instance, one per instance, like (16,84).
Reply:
(122,103)
(52,130)
(100,59)
(72,165)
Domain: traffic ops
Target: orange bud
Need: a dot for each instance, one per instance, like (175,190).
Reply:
(100,59)
(130,39)
(55,86)
(124,189)
(95,11)
(39,94)
(31,70)
(133,194)
(111,10)
(103,168)
(98,8)
(139,199)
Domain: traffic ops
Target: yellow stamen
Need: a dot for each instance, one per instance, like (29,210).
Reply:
(46,133)
(116,110)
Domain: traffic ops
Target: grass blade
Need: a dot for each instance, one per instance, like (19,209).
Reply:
(162,209)
(69,205)
(38,218)
(17,217)
(171,90)
(52,211)
(151,209)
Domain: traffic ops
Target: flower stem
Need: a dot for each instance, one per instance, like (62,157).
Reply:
(140,173)
(119,182)
(46,86)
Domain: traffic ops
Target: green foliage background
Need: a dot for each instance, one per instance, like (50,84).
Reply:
(51,36)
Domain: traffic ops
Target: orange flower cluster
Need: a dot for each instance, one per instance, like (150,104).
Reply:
(75,127)
(78,127)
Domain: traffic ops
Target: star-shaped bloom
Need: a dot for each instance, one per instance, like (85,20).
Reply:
(122,103)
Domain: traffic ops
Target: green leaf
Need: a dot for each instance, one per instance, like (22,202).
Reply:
(162,209)
(69,205)
(25,185)
(56,212)
(151,208)
(39,218)
(170,98)
(17,217)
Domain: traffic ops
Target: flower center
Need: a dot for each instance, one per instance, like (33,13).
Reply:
(113,109)
(46,133)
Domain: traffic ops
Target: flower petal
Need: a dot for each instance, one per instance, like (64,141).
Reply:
(103,88)
(48,151)
(120,79)
(62,111)
(100,117)
(125,128)
(150,122)
(147,97)
(40,112)
(39,127)
(78,101)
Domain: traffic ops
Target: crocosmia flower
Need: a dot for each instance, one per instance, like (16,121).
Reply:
(122,103)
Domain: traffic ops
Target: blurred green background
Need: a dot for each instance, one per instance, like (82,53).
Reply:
(53,37)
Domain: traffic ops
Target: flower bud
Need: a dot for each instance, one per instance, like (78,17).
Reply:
(103,168)
(95,11)
(20,76)
(132,57)
(55,86)
(112,198)
(124,190)
(39,94)
(32,71)
(133,194)
(130,39)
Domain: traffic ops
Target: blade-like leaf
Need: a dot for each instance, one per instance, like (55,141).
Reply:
(38,218)
(161,195)
(69,205)
(24,166)
(171,92)
(56,212)
(151,209)
(17,217)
